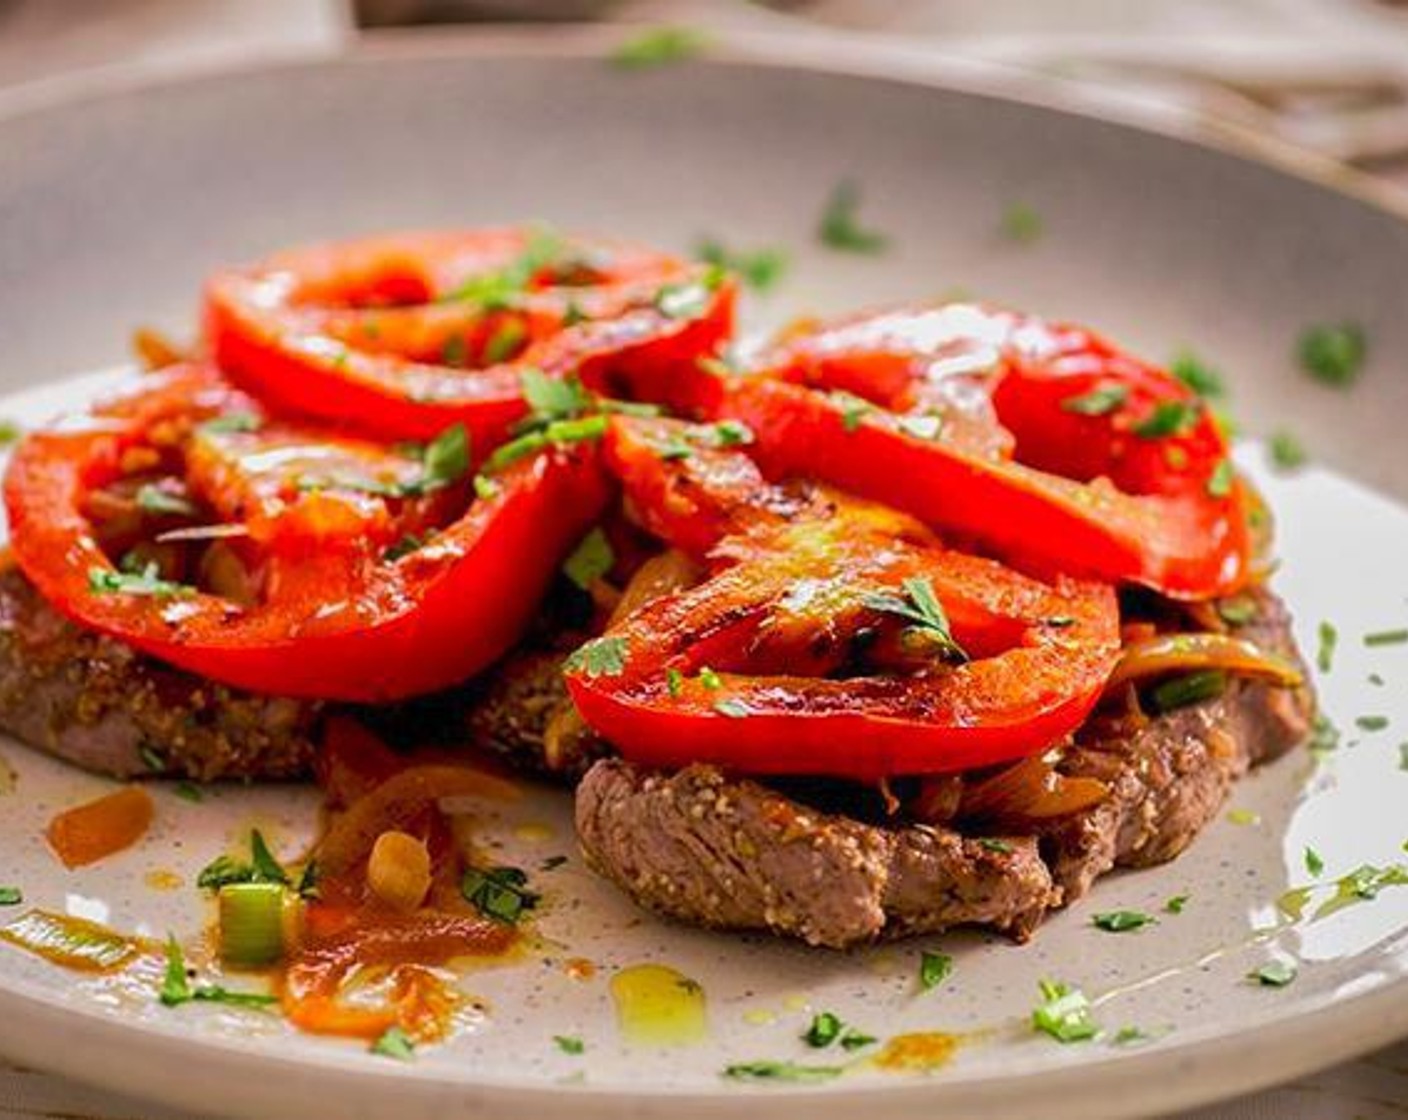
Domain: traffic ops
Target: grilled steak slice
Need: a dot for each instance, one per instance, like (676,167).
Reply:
(104,706)
(1170,775)
(732,853)
(735,854)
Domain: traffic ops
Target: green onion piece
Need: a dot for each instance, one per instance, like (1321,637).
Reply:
(1122,921)
(1168,418)
(1176,904)
(934,969)
(780,1071)
(395,1043)
(1273,974)
(840,226)
(252,919)
(1193,688)
(1202,378)
(11,896)
(1325,655)
(569,1044)
(1098,401)
(1371,723)
(1064,1013)
(1386,638)
(825,1029)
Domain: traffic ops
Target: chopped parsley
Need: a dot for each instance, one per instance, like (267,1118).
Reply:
(1287,452)
(601,657)
(659,46)
(1220,481)
(1130,1036)
(991,844)
(176,987)
(1064,1013)
(1273,974)
(444,462)
(934,969)
(395,1043)
(710,679)
(500,893)
(552,398)
(674,681)
(1177,904)
(1195,373)
(580,430)
(502,289)
(153,499)
(1098,401)
(1022,224)
(1238,610)
(824,1030)
(732,433)
(780,1071)
(761,269)
(1325,653)
(455,351)
(1314,864)
(1333,353)
(856,1040)
(1386,638)
(404,547)
(569,1044)
(485,488)
(9,432)
(590,561)
(505,342)
(262,867)
(1403,756)
(1371,723)
(11,896)
(688,299)
(840,226)
(232,422)
(734,709)
(189,791)
(1191,688)
(105,581)
(1168,418)
(1122,921)
(921,607)
(853,409)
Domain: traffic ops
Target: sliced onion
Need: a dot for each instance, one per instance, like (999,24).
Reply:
(1030,790)
(1185,653)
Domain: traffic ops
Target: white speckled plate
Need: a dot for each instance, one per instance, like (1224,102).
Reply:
(111,208)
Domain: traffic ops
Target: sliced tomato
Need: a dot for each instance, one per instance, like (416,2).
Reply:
(403,335)
(833,637)
(355,581)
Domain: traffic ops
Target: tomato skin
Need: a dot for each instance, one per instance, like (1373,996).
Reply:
(324,331)
(791,599)
(428,620)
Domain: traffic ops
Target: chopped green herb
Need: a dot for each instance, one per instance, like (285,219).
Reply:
(308,880)
(395,1043)
(1202,378)
(1022,224)
(1238,610)
(1313,862)
(1123,921)
(1325,654)
(1064,1013)
(262,867)
(404,547)
(154,499)
(856,1040)
(189,791)
(1386,638)
(1403,756)
(1375,679)
(176,987)
(989,844)
(1333,353)
(1168,418)
(761,269)
(502,289)
(1098,401)
(1129,1036)
(105,581)
(1287,452)
(674,681)
(734,709)
(922,427)
(11,896)
(601,657)
(485,488)
(1191,688)
(1220,481)
(673,451)
(934,969)
(9,432)
(578,430)
(824,1030)
(710,679)
(853,409)
(659,46)
(232,422)
(569,1044)
(500,893)
(553,398)
(152,758)
(781,1071)
(1177,904)
(591,560)
(1371,723)
(922,608)
(840,226)
(688,299)
(267,868)
(732,433)
(1273,974)
(1324,736)
(445,462)
(504,343)
(454,351)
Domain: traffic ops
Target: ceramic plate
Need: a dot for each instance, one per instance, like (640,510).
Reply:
(112,208)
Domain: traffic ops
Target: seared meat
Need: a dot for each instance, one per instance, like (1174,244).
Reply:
(105,707)
(735,854)
(1169,776)
(732,853)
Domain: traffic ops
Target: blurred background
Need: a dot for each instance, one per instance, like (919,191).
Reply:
(1327,75)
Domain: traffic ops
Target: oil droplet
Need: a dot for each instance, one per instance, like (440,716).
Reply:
(160,879)
(579,968)
(1245,817)
(760,1017)
(658,1006)
(797,1003)
(534,833)
(920,1052)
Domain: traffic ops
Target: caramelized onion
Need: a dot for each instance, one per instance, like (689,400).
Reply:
(1030,790)
(660,575)
(1185,653)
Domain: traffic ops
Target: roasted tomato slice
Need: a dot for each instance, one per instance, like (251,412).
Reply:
(182,520)
(404,335)
(832,637)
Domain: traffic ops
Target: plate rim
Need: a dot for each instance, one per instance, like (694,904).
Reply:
(1262,1053)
